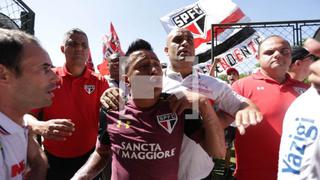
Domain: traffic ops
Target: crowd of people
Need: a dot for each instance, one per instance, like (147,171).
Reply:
(144,121)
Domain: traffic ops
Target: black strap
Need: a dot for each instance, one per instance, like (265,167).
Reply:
(104,137)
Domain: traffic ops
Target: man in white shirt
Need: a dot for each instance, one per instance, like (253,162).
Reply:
(194,161)
(26,82)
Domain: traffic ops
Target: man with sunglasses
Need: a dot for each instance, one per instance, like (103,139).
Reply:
(299,149)
(301,60)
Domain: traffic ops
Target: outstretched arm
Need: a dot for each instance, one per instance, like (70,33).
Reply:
(55,129)
(95,164)
(247,115)
(215,62)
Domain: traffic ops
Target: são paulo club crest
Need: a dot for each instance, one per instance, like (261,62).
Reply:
(299,90)
(89,88)
(168,121)
(193,18)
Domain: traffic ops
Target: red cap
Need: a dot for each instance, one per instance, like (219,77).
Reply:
(229,70)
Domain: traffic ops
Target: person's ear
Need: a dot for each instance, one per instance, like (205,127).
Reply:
(62,49)
(5,75)
(125,78)
(298,62)
(257,56)
(166,51)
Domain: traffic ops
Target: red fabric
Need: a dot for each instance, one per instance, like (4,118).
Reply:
(103,68)
(72,101)
(111,44)
(257,150)
(232,18)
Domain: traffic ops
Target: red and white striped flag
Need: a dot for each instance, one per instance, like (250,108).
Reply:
(111,44)
(199,16)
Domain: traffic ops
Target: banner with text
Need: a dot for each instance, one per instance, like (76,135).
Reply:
(242,57)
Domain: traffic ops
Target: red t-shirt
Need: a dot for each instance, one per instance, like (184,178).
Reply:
(257,150)
(76,99)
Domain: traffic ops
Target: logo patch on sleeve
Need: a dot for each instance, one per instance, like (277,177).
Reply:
(167,121)
(89,88)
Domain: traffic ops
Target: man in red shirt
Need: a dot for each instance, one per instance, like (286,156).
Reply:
(272,90)
(75,109)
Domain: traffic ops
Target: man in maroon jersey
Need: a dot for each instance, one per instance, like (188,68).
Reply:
(145,137)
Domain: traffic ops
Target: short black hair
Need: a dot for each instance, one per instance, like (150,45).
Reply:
(138,44)
(74,31)
(12,44)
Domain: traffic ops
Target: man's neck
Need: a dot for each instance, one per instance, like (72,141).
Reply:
(13,112)
(279,77)
(75,70)
(296,76)
(183,70)
(145,103)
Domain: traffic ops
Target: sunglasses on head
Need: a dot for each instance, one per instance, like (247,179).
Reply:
(313,57)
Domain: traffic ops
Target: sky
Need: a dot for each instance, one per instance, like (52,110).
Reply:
(139,19)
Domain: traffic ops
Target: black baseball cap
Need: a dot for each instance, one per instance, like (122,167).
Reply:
(299,53)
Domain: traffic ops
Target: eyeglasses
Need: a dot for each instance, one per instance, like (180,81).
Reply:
(313,57)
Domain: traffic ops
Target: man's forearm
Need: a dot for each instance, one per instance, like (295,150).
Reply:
(34,124)
(214,132)
(95,164)
(37,160)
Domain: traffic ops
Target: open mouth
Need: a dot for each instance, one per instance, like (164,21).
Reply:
(51,89)
(184,53)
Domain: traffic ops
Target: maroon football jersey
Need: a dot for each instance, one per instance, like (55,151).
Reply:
(145,142)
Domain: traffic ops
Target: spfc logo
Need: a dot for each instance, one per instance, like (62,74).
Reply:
(168,121)
(299,90)
(89,88)
(192,18)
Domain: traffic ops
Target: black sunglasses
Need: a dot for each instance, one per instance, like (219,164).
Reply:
(313,57)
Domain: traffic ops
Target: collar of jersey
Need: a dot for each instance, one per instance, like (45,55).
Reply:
(259,76)
(170,73)
(63,71)
(9,126)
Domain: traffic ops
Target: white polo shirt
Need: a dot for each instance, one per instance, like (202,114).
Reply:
(299,156)
(13,149)
(195,163)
